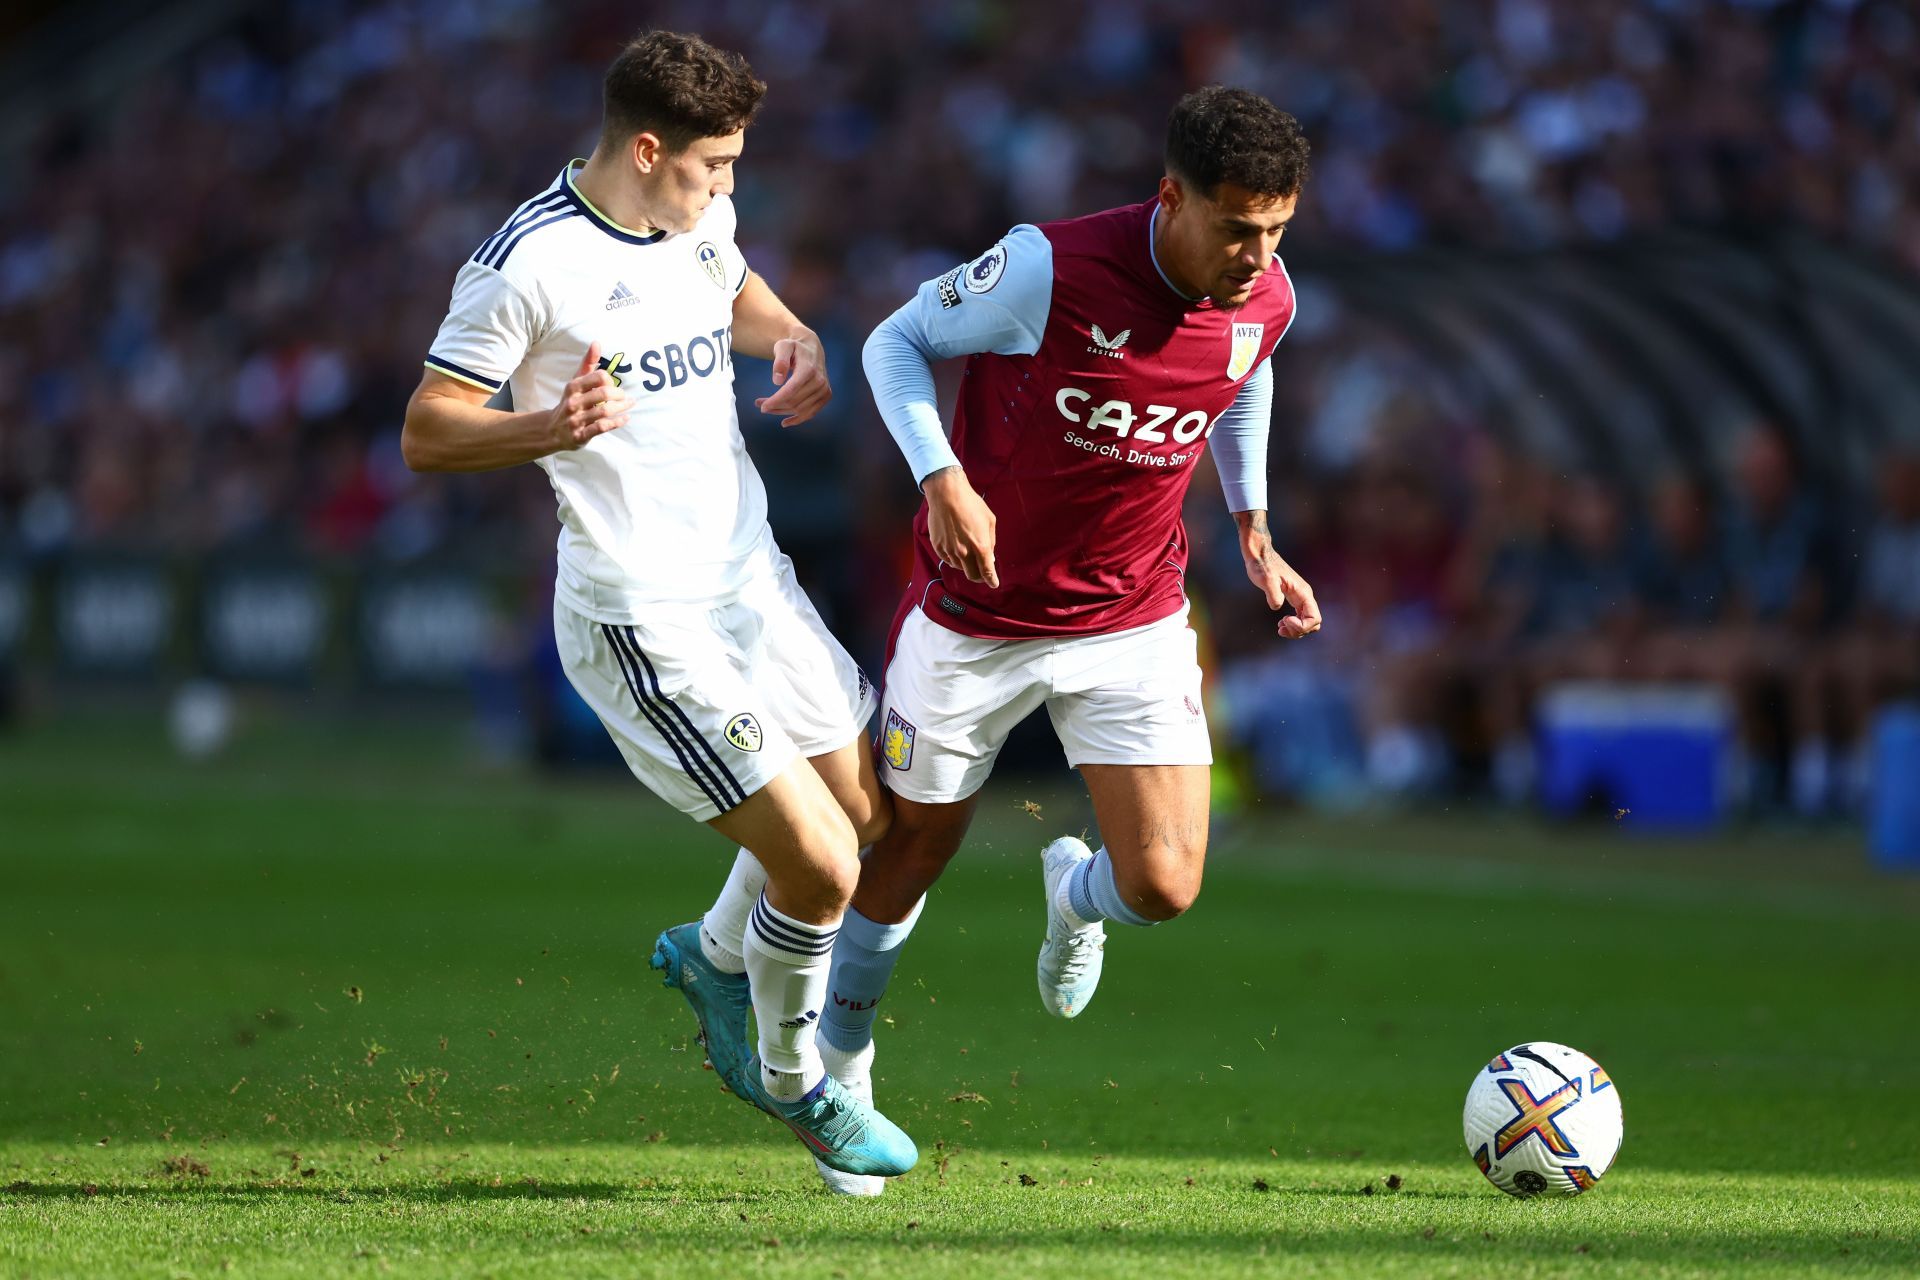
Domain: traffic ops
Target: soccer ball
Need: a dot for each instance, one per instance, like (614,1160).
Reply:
(1543,1119)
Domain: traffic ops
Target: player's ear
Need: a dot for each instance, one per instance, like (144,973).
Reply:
(646,151)
(1172,194)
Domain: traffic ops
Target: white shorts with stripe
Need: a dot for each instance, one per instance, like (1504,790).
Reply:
(1130,697)
(709,702)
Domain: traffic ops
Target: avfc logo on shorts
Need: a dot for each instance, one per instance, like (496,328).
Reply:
(710,262)
(896,742)
(743,731)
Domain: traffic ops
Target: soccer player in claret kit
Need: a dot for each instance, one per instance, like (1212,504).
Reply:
(610,304)
(1104,354)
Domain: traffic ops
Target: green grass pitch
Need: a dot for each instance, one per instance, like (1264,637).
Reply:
(336,1006)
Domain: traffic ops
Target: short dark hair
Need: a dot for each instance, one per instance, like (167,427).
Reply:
(679,87)
(1217,135)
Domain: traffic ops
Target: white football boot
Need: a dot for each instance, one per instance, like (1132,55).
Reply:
(855,1071)
(1071,956)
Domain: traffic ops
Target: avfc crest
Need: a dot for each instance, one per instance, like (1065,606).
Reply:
(1246,346)
(710,262)
(896,742)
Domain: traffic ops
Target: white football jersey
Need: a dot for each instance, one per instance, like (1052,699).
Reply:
(668,507)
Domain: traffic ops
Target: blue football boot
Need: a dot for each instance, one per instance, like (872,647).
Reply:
(854,1071)
(840,1130)
(720,1002)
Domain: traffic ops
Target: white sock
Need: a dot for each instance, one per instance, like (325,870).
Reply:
(1090,894)
(787,965)
(844,1066)
(723,934)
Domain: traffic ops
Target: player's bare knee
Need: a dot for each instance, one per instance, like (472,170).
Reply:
(1162,891)
(842,864)
(842,878)
(814,891)
(831,857)
(926,859)
(819,887)
(912,871)
(904,865)
(1165,900)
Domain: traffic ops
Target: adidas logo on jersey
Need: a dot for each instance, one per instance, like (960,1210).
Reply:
(1109,347)
(621,297)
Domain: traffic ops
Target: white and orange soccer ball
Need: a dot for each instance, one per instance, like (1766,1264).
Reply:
(1543,1120)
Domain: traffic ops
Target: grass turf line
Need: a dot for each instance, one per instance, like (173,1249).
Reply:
(429,986)
(722,1212)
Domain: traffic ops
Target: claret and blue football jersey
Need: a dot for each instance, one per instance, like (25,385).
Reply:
(1091,388)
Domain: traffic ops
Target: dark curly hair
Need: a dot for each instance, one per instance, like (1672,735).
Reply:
(679,87)
(1217,135)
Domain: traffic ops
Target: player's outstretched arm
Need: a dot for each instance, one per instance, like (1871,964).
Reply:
(764,328)
(1276,578)
(449,428)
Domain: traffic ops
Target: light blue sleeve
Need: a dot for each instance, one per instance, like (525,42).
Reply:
(1240,442)
(996,303)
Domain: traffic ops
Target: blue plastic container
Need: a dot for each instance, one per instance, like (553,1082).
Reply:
(1894,823)
(1655,754)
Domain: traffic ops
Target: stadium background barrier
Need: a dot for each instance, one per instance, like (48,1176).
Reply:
(119,618)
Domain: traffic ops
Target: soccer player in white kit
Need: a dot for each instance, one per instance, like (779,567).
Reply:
(610,305)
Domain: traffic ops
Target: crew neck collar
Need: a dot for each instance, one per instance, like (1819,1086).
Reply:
(592,212)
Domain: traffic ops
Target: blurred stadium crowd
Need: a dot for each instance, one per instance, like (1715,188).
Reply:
(215,290)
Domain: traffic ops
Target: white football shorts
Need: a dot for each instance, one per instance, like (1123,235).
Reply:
(709,701)
(1132,697)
